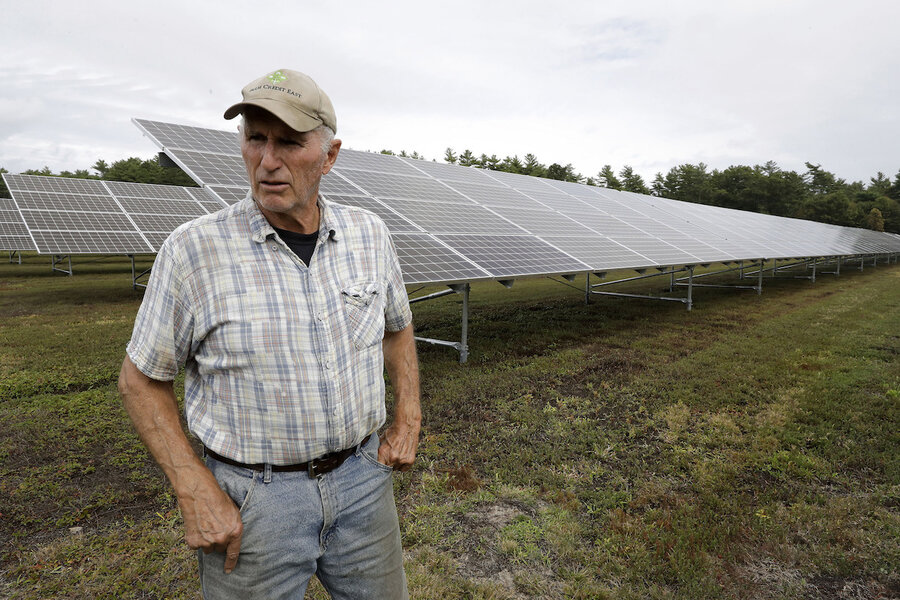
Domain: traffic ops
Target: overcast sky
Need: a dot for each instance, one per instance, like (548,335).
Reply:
(648,84)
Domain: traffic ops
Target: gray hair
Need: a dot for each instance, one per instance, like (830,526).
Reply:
(326,134)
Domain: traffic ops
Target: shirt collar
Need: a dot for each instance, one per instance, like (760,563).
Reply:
(260,228)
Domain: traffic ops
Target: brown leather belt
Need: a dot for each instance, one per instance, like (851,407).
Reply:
(315,467)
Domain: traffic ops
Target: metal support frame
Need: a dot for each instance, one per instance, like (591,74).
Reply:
(689,269)
(837,266)
(135,276)
(57,259)
(793,265)
(758,287)
(15,253)
(461,346)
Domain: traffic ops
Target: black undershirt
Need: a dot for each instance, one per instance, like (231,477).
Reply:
(303,244)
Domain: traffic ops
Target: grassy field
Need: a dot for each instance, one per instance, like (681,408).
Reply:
(623,449)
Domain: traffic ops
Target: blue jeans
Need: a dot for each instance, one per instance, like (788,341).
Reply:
(342,527)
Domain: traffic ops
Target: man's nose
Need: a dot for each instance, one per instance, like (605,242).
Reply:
(271,158)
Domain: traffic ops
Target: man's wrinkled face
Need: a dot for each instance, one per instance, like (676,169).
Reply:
(284,166)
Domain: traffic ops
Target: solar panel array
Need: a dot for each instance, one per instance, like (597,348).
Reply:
(449,223)
(85,216)
(453,223)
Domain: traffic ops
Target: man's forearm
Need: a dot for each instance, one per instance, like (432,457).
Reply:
(401,439)
(153,410)
(403,371)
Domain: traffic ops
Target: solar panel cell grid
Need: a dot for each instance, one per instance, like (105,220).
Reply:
(162,206)
(423,260)
(230,195)
(493,195)
(35,183)
(333,183)
(374,162)
(192,138)
(600,253)
(215,169)
(544,222)
(381,185)
(445,217)
(54,220)
(395,222)
(520,182)
(66,201)
(159,223)
(10,216)
(509,256)
(74,242)
(13,229)
(453,173)
(13,243)
(123,189)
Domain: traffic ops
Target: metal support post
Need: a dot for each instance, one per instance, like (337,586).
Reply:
(814,270)
(464,337)
(135,275)
(690,297)
(760,279)
(56,259)
(587,288)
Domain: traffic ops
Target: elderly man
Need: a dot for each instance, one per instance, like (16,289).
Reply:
(284,310)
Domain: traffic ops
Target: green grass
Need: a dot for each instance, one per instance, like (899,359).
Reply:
(622,449)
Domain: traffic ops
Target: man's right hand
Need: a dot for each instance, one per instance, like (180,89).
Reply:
(212,522)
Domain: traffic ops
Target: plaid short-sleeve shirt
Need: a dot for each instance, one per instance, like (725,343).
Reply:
(283,362)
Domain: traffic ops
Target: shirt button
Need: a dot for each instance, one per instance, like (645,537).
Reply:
(334,412)
(274,248)
(327,364)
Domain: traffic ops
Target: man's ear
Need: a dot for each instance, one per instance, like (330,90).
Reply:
(332,156)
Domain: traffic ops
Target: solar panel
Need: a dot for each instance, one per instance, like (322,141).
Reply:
(13,231)
(73,216)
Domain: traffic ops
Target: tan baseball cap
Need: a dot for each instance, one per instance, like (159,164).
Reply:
(292,97)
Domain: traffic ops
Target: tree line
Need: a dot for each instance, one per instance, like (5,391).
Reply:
(815,195)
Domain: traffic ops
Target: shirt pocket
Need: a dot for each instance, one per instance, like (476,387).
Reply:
(364,309)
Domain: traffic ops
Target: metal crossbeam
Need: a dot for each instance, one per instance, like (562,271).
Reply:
(590,288)
(462,345)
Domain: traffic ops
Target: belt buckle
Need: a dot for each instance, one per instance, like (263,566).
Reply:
(322,465)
